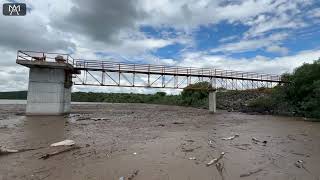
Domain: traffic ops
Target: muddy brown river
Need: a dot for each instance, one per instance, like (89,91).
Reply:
(157,142)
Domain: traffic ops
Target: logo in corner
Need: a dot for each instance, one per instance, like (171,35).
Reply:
(14,9)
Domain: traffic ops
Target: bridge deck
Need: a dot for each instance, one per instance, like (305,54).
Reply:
(109,66)
(100,71)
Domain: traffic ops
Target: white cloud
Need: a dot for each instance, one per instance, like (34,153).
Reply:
(127,48)
(227,39)
(192,13)
(250,45)
(278,49)
(315,13)
(262,64)
(186,14)
(13,78)
(264,24)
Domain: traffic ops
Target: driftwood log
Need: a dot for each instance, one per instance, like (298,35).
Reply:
(48,155)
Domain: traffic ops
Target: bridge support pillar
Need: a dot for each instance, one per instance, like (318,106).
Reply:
(48,93)
(49,89)
(212,101)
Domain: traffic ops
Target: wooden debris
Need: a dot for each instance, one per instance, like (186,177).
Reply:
(210,142)
(190,140)
(190,149)
(220,168)
(134,174)
(215,160)
(70,148)
(231,137)
(100,119)
(178,123)
(298,164)
(4,151)
(82,118)
(161,125)
(66,142)
(256,141)
(130,177)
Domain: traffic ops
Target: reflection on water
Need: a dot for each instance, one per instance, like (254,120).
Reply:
(11,122)
(44,129)
(33,131)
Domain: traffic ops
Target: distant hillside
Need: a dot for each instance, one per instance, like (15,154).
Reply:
(14,95)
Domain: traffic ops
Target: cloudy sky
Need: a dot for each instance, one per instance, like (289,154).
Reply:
(271,36)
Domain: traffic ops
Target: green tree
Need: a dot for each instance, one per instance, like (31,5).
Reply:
(303,91)
(300,95)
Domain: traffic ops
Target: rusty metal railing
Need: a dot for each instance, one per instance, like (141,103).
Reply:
(43,56)
(101,72)
(110,66)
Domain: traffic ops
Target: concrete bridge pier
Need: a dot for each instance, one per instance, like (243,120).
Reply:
(212,101)
(49,91)
(212,96)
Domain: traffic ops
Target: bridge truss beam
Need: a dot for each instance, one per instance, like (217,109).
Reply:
(110,73)
(123,79)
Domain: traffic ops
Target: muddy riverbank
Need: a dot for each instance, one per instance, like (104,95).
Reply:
(157,142)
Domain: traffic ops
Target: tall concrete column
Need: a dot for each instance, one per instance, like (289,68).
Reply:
(212,96)
(212,101)
(67,100)
(47,94)
(67,92)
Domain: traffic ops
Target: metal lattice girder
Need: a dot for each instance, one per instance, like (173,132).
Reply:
(162,81)
(108,73)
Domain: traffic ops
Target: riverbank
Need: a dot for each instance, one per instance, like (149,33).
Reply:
(157,142)
(230,100)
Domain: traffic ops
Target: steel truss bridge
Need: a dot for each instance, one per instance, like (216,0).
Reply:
(112,73)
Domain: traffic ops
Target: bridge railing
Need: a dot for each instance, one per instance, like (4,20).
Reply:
(44,56)
(171,70)
(112,66)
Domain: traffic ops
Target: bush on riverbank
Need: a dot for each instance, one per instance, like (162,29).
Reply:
(157,98)
(301,96)
(195,95)
(303,93)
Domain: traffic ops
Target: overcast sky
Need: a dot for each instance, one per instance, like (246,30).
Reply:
(271,36)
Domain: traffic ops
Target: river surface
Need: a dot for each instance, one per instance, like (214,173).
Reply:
(14,101)
(157,142)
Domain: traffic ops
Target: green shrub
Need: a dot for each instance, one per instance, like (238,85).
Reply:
(300,96)
(262,104)
(196,95)
(303,91)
